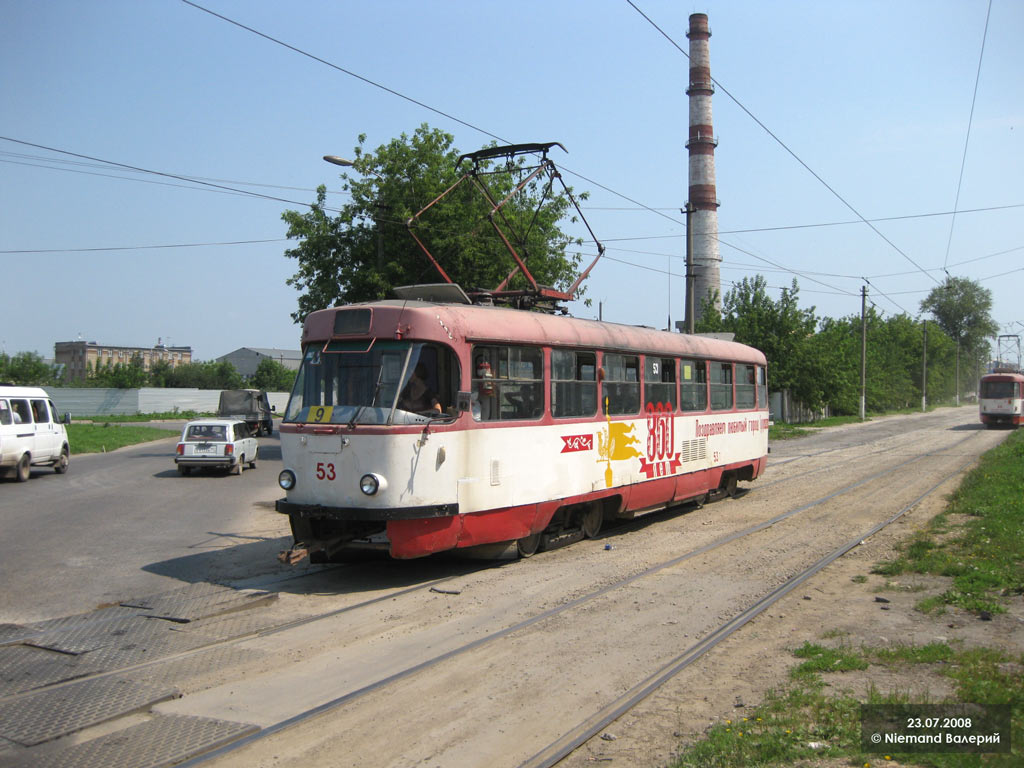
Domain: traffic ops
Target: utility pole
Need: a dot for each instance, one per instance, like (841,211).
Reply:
(863,348)
(958,372)
(924,369)
(691,311)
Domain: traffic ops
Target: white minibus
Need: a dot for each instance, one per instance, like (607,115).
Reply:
(31,432)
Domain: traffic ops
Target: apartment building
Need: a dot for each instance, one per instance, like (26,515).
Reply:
(80,357)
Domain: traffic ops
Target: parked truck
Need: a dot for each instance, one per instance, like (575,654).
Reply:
(250,405)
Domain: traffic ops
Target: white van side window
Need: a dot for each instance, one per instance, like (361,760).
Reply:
(40,413)
(22,413)
(5,413)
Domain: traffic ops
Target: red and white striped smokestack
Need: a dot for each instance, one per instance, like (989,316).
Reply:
(701,145)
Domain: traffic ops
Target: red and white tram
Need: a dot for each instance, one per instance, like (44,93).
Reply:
(421,427)
(1001,399)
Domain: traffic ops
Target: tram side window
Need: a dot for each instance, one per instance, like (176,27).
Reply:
(694,385)
(721,386)
(762,387)
(508,383)
(660,382)
(746,386)
(573,383)
(621,386)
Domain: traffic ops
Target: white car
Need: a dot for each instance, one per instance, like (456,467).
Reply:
(223,443)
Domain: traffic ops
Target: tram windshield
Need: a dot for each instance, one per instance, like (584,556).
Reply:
(374,382)
(997,390)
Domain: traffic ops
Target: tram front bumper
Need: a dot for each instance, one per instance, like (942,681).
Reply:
(364,514)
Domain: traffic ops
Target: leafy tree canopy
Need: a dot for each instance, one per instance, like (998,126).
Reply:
(26,369)
(121,376)
(365,250)
(962,308)
(272,376)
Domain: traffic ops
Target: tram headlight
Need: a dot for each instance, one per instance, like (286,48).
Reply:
(286,479)
(371,484)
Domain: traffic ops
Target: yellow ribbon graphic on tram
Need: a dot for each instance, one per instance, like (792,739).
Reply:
(615,444)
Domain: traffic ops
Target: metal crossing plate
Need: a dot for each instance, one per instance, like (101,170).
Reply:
(38,717)
(12,634)
(23,669)
(89,635)
(199,601)
(163,741)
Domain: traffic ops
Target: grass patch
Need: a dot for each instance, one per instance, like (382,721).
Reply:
(819,658)
(96,438)
(984,556)
(805,724)
(932,653)
(790,727)
(808,723)
(781,430)
(128,418)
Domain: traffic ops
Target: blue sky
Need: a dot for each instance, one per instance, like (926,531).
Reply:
(874,97)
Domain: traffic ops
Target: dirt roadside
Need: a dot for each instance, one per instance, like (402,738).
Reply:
(837,607)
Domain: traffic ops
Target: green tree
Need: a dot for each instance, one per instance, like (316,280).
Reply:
(160,373)
(129,375)
(962,308)
(365,250)
(272,376)
(208,375)
(27,369)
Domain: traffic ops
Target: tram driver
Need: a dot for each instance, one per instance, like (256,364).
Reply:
(417,396)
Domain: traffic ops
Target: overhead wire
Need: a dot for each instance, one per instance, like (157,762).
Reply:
(793,154)
(967,140)
(824,224)
(153,172)
(348,72)
(223,191)
(143,247)
(199,180)
(56,162)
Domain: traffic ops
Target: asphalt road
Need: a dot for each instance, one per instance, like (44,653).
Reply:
(125,524)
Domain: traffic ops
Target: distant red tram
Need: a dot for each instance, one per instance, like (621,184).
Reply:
(1001,399)
(421,427)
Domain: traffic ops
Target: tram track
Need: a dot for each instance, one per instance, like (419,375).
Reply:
(432,584)
(593,724)
(582,602)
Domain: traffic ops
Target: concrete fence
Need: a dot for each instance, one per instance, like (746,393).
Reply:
(92,401)
(783,407)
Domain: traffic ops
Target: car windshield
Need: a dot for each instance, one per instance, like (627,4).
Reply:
(206,433)
(374,382)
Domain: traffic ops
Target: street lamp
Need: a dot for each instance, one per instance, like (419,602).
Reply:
(335,160)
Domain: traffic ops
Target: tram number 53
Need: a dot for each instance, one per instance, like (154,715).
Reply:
(325,471)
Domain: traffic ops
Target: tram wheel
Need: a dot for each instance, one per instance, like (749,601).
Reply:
(528,545)
(590,521)
(729,485)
